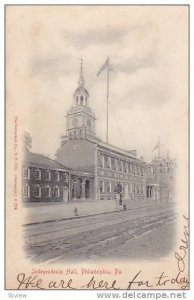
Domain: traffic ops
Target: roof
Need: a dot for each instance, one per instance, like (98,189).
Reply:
(130,154)
(39,160)
(81,89)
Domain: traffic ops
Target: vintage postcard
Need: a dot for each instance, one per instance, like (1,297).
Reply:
(97,147)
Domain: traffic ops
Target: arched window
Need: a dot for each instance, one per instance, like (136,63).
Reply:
(82,99)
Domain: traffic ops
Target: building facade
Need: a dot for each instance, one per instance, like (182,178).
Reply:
(82,150)
(45,180)
(86,168)
(160,179)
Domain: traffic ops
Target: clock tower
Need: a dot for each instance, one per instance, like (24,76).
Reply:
(80,120)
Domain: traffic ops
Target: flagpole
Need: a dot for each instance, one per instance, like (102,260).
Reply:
(107,102)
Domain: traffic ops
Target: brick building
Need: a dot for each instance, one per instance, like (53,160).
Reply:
(82,150)
(44,179)
(160,179)
(88,168)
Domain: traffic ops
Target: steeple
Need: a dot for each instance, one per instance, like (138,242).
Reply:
(80,120)
(81,95)
(81,79)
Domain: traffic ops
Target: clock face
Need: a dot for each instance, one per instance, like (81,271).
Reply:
(75,122)
(89,123)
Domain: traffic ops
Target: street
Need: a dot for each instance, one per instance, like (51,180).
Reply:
(140,233)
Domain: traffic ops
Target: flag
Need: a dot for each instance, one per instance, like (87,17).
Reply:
(157,146)
(104,66)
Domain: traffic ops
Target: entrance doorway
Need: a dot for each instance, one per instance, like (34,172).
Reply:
(87,189)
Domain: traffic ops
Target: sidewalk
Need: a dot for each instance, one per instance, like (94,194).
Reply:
(40,213)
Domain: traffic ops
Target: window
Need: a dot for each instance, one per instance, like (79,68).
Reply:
(142,189)
(101,186)
(26,191)
(134,189)
(131,188)
(47,175)
(120,165)
(134,169)
(81,134)
(137,170)
(56,192)
(56,176)
(109,187)
(125,167)
(101,160)
(113,163)
(138,189)
(65,177)
(37,191)
(26,173)
(107,161)
(37,174)
(81,102)
(77,99)
(152,170)
(47,191)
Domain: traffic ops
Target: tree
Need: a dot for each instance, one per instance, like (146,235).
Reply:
(27,141)
(118,189)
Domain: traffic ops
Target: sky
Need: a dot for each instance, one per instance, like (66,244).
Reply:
(147,47)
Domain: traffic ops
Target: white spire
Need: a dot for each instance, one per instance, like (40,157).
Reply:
(81,79)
